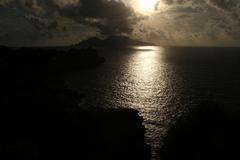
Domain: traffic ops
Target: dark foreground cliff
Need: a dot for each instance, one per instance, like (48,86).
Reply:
(73,134)
(40,118)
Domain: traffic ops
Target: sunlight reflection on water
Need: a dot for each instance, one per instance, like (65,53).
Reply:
(148,90)
(139,78)
(161,83)
(144,69)
(149,48)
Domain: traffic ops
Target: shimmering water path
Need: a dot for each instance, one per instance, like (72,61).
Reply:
(161,83)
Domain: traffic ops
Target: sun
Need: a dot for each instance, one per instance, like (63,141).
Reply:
(147,6)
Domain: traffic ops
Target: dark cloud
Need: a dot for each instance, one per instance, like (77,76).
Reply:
(45,19)
(21,25)
(230,6)
(226,4)
(183,2)
(43,23)
(110,17)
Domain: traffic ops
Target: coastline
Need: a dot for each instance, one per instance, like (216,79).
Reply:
(41,119)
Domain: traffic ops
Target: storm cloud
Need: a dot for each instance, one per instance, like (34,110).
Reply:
(110,17)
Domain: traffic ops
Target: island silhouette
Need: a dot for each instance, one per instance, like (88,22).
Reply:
(112,41)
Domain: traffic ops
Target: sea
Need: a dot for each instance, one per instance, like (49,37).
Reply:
(162,83)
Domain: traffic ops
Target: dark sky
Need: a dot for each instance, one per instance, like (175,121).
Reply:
(164,22)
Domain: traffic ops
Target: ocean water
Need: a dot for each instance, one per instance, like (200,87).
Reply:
(161,83)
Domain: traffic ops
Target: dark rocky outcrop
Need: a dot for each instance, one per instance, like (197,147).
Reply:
(50,60)
(40,118)
(73,134)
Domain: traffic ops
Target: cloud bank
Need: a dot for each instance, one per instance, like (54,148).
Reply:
(173,22)
(195,22)
(64,19)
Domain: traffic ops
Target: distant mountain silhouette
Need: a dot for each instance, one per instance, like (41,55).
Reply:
(113,41)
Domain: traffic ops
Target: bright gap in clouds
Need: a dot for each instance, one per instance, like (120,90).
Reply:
(146,6)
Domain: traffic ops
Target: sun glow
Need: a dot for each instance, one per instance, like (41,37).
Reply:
(147,6)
